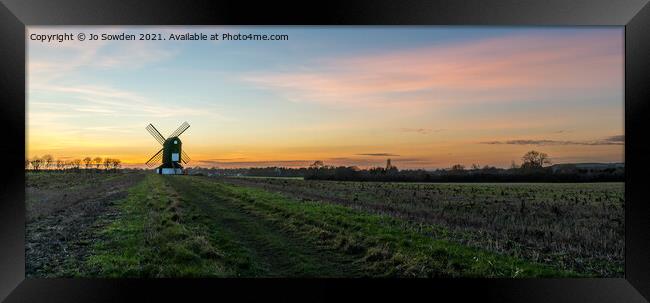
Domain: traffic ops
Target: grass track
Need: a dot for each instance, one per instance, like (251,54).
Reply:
(193,226)
(256,246)
(382,246)
(149,239)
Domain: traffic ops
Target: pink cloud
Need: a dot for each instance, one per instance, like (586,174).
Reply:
(490,70)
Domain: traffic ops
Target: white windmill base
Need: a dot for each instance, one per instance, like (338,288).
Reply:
(169,171)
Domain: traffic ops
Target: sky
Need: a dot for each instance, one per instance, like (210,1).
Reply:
(425,97)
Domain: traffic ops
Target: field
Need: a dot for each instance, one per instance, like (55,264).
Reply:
(145,225)
(574,226)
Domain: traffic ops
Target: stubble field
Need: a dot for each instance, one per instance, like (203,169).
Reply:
(145,225)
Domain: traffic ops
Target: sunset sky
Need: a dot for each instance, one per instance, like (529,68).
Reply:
(426,97)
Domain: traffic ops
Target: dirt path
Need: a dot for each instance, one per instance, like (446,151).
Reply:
(258,247)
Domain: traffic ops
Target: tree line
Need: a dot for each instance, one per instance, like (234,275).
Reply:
(532,169)
(47,162)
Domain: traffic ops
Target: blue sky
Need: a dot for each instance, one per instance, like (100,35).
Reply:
(432,95)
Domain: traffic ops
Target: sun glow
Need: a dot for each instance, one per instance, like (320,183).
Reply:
(438,97)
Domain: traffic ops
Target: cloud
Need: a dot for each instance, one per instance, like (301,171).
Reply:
(76,55)
(61,69)
(422,131)
(265,163)
(613,140)
(223,159)
(618,140)
(560,131)
(501,69)
(107,100)
(379,155)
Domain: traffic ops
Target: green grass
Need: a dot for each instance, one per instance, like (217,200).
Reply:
(577,227)
(385,246)
(182,226)
(254,246)
(150,240)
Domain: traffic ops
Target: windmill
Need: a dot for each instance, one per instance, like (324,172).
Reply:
(171,155)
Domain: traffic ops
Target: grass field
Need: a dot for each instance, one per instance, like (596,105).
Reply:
(147,225)
(575,226)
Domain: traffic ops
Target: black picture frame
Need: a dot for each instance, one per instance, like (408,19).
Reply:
(15,15)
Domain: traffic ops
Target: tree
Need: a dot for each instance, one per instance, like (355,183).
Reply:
(317,164)
(26,164)
(107,163)
(535,159)
(488,168)
(98,161)
(475,166)
(376,170)
(47,161)
(392,169)
(59,164)
(115,163)
(36,163)
(457,167)
(76,163)
(87,162)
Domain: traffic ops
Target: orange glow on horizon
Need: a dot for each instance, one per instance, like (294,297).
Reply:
(427,103)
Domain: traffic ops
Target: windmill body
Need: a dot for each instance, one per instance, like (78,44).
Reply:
(171,155)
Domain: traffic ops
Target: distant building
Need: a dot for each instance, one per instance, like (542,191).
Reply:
(389,166)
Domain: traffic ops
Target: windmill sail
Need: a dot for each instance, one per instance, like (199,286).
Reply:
(155,158)
(180,130)
(155,133)
(185,158)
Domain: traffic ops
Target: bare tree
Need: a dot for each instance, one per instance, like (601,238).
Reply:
(317,164)
(115,163)
(87,162)
(59,164)
(98,161)
(47,161)
(36,163)
(476,166)
(107,163)
(76,163)
(535,159)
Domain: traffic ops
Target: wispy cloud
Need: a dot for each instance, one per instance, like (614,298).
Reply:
(422,131)
(379,155)
(63,72)
(98,54)
(224,159)
(613,140)
(269,163)
(107,100)
(490,70)
(97,97)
